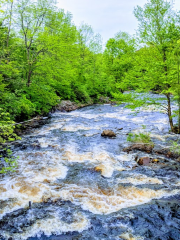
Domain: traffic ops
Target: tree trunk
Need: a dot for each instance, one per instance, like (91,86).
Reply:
(178,95)
(29,77)
(179,114)
(169,112)
(10,23)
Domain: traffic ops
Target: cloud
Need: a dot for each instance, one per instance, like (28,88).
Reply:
(106,17)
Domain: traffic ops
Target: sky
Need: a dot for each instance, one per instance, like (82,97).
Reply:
(106,17)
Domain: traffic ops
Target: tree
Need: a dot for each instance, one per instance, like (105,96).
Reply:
(118,56)
(31,19)
(158,30)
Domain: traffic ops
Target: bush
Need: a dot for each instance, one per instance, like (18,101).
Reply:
(175,147)
(6,128)
(19,107)
(139,138)
(7,161)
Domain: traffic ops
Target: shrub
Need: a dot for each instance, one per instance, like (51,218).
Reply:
(6,128)
(175,147)
(8,162)
(139,138)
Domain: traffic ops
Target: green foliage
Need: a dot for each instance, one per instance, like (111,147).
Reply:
(6,128)
(175,147)
(155,65)
(139,138)
(118,57)
(8,163)
(45,58)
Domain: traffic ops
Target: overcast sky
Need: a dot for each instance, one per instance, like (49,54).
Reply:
(106,17)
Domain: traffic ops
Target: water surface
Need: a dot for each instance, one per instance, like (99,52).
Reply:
(83,186)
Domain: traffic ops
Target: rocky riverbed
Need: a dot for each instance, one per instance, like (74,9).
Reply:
(72,183)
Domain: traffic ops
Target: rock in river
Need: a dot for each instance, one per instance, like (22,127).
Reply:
(139,146)
(108,133)
(145,161)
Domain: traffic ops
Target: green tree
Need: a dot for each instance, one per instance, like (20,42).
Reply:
(153,65)
(118,57)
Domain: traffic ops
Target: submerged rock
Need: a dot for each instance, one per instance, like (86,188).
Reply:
(108,133)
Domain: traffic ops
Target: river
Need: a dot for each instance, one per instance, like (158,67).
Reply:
(84,186)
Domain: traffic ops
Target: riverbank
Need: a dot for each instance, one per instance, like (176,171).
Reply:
(27,127)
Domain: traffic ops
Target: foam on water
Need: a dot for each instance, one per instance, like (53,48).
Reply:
(43,172)
(100,201)
(139,179)
(130,236)
(100,159)
(77,127)
(29,182)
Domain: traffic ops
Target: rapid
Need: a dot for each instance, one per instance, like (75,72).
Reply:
(84,186)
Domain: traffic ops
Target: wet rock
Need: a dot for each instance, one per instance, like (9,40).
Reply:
(158,220)
(66,106)
(141,147)
(155,160)
(20,219)
(166,152)
(145,161)
(108,133)
(27,126)
(104,99)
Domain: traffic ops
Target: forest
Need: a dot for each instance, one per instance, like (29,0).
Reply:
(45,58)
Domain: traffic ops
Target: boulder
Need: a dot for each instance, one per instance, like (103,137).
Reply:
(141,147)
(145,161)
(108,133)
(66,106)
(27,127)
(104,99)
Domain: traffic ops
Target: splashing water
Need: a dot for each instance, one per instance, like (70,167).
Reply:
(83,186)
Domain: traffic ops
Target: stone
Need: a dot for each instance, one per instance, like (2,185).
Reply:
(141,147)
(108,133)
(104,99)
(166,152)
(145,161)
(155,161)
(66,106)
